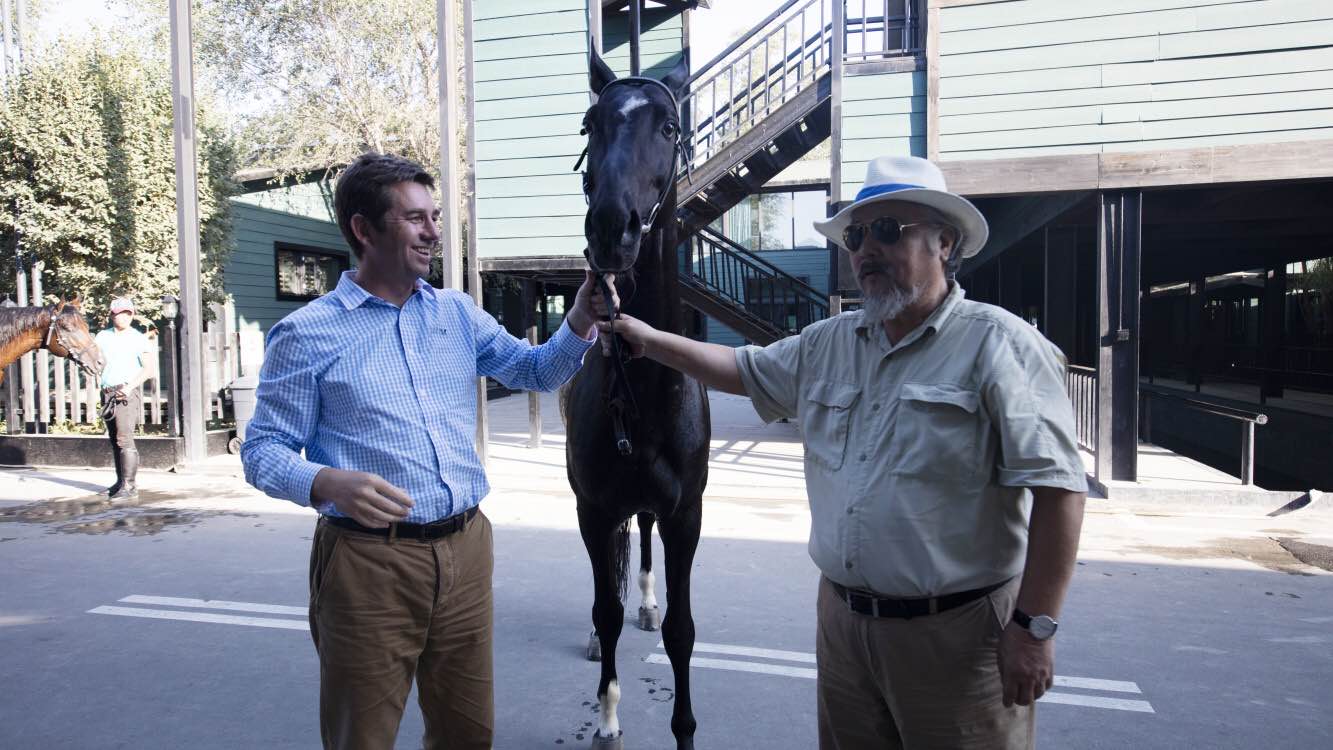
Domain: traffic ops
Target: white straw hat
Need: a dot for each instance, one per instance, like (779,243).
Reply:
(911,179)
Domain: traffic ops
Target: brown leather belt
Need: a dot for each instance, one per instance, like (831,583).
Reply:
(419,531)
(866,603)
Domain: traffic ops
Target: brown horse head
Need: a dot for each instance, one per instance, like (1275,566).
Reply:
(68,336)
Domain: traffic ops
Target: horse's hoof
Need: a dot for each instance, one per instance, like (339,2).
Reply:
(608,743)
(594,647)
(650,618)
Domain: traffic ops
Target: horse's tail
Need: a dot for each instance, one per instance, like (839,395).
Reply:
(620,557)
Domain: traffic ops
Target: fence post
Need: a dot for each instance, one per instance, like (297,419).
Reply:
(1247,454)
(12,425)
(42,378)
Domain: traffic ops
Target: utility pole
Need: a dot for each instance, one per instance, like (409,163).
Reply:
(451,204)
(4,46)
(187,233)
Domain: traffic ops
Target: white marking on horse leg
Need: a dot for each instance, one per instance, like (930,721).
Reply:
(646,585)
(610,726)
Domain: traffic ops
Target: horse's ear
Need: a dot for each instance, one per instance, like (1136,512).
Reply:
(678,79)
(59,306)
(77,301)
(600,74)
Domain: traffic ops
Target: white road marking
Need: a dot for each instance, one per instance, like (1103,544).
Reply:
(783,670)
(166,614)
(1317,620)
(1097,701)
(172,601)
(1299,639)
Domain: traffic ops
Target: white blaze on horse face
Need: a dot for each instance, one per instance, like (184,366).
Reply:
(646,585)
(631,103)
(610,725)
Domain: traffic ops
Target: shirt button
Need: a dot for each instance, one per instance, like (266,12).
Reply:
(851,511)
(848,564)
(874,407)
(862,457)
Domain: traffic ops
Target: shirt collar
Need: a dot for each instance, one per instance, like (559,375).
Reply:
(933,323)
(352,295)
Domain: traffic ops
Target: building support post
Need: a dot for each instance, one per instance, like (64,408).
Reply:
(193,417)
(1273,312)
(473,260)
(451,239)
(1060,301)
(635,32)
(530,318)
(1198,297)
(1119,219)
(839,267)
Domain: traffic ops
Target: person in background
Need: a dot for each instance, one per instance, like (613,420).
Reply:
(126,352)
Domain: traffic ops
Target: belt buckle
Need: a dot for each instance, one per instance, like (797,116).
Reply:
(874,606)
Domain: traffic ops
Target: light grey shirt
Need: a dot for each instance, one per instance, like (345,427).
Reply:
(917,455)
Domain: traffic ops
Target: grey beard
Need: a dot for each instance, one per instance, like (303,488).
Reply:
(878,308)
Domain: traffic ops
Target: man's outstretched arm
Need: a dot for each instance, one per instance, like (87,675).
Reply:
(714,365)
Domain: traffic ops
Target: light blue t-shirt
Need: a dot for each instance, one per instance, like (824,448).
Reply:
(123,351)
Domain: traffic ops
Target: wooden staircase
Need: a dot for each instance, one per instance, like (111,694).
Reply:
(774,86)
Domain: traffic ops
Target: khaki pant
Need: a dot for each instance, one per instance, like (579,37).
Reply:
(382,612)
(927,682)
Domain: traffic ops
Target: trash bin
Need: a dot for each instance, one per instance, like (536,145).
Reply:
(243,407)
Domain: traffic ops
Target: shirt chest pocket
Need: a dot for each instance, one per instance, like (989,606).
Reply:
(826,419)
(936,430)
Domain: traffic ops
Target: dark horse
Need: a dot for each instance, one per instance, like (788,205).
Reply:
(59,328)
(638,432)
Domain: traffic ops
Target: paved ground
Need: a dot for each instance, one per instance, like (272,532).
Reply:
(180,622)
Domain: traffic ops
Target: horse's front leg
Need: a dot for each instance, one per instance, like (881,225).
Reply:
(603,538)
(650,617)
(680,539)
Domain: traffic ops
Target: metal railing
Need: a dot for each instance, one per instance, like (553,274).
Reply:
(882,30)
(733,273)
(1248,419)
(1081,383)
(784,55)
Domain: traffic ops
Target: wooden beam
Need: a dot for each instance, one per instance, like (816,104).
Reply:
(473,251)
(932,80)
(451,157)
(1262,162)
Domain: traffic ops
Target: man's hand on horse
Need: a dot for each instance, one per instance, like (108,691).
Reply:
(633,331)
(365,498)
(589,307)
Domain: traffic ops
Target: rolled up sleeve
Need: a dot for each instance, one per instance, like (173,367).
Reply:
(286,413)
(1030,410)
(771,376)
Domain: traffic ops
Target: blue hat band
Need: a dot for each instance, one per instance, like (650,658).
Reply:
(893,187)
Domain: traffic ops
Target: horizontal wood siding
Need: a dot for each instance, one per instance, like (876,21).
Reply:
(249,275)
(532,90)
(659,42)
(1028,78)
(882,115)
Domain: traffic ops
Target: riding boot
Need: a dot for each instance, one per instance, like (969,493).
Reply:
(120,470)
(130,467)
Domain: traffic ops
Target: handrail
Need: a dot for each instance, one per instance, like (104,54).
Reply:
(721,239)
(1248,418)
(740,278)
(740,41)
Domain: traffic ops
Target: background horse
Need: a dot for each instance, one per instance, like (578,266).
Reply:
(59,328)
(637,432)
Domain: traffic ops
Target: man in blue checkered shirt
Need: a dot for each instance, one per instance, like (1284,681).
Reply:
(375,382)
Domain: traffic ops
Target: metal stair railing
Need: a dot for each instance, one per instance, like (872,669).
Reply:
(787,59)
(737,276)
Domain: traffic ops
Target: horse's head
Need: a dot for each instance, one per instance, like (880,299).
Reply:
(633,136)
(68,336)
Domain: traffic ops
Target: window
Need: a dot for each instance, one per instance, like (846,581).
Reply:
(305,273)
(778,302)
(778,221)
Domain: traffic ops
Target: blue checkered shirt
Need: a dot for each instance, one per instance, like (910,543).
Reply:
(360,384)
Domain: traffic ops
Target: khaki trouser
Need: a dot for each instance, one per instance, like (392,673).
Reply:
(927,682)
(384,611)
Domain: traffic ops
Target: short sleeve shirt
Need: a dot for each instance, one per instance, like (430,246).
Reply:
(124,354)
(918,454)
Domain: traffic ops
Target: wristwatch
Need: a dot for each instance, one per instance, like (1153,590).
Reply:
(1041,627)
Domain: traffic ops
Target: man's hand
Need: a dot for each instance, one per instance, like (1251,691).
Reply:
(365,498)
(635,332)
(1027,665)
(589,307)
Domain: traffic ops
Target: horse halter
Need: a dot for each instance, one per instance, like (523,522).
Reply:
(53,333)
(670,181)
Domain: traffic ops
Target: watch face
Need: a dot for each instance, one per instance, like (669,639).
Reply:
(1042,627)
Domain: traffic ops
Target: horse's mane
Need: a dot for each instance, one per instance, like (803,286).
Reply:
(14,321)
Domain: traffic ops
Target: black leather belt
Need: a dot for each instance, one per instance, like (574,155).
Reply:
(422,531)
(866,603)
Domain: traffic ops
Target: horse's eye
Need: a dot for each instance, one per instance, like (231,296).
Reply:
(670,130)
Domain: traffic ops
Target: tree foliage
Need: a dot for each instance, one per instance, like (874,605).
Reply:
(87,177)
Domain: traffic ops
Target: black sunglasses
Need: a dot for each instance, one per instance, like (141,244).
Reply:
(885,230)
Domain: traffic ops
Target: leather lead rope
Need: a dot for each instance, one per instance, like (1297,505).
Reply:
(620,401)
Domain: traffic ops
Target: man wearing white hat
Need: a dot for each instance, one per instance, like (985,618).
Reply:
(126,352)
(932,425)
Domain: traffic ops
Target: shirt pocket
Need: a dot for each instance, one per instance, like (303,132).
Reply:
(936,430)
(826,419)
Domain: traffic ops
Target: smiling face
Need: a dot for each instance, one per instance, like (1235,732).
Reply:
(401,247)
